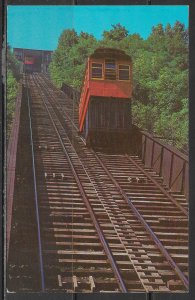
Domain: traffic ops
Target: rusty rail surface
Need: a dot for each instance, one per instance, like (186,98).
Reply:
(85,198)
(107,222)
(61,136)
(11,165)
(160,186)
(147,227)
(164,159)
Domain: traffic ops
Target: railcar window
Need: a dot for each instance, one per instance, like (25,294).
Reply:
(110,69)
(123,72)
(96,71)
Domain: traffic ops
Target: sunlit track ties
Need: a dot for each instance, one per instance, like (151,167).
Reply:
(71,243)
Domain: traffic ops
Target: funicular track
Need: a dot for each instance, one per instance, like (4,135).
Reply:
(105,224)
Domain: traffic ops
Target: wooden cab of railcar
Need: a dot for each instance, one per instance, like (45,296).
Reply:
(105,105)
(32,64)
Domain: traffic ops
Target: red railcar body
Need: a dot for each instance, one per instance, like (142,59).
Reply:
(29,60)
(107,85)
(32,63)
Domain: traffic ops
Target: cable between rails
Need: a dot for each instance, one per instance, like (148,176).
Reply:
(102,238)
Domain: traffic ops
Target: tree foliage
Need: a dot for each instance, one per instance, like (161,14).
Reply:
(70,57)
(12,87)
(12,63)
(160,73)
(118,33)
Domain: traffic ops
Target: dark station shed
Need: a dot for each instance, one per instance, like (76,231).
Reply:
(33,60)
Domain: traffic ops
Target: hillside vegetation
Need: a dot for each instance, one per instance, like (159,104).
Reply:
(12,87)
(160,74)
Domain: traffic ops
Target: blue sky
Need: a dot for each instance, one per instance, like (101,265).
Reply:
(39,27)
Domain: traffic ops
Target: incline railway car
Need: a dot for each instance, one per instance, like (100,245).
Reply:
(33,60)
(29,62)
(32,63)
(105,105)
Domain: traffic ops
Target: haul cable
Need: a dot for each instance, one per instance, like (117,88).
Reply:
(96,224)
(146,226)
(162,189)
(138,215)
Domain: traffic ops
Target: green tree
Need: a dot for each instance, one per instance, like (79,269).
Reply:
(118,33)
(174,127)
(60,60)
(160,73)
(12,78)
(12,88)
(132,44)
(12,63)
(69,59)
(161,83)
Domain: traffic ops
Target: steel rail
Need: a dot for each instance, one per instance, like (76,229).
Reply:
(170,197)
(146,226)
(158,186)
(36,195)
(51,96)
(85,169)
(175,202)
(159,245)
(94,219)
(76,128)
(141,219)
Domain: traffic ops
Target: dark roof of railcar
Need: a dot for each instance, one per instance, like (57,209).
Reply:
(110,53)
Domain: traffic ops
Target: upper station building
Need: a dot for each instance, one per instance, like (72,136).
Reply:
(33,60)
